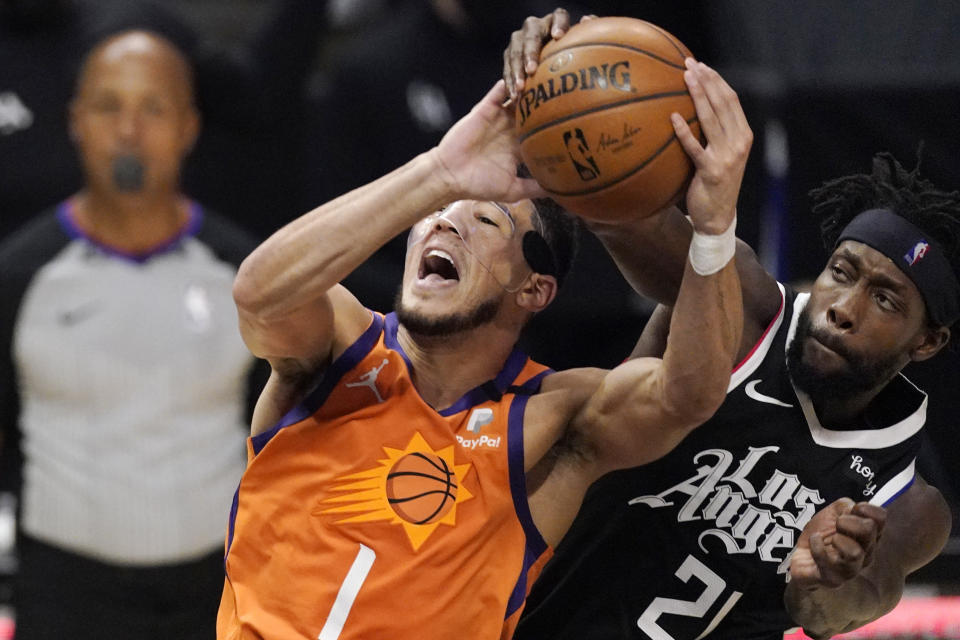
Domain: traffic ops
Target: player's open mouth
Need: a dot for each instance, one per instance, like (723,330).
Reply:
(437,264)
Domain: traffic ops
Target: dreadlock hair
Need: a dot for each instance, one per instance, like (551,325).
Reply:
(906,193)
(560,230)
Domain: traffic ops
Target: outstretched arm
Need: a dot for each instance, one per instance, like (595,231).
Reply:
(292,310)
(646,407)
(643,408)
(650,252)
(851,560)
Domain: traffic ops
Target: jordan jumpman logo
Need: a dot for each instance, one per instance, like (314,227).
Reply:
(369,379)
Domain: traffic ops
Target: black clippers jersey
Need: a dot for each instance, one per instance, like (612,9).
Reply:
(698,543)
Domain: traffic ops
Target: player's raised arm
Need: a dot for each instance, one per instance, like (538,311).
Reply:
(287,290)
(293,311)
(646,406)
(691,381)
(643,408)
(650,251)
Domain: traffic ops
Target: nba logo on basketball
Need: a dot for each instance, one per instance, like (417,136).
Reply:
(919,250)
(579,152)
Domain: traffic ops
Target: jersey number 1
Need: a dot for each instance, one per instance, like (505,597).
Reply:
(714,587)
(349,589)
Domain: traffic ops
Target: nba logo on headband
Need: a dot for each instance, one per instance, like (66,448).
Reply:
(919,250)
(929,269)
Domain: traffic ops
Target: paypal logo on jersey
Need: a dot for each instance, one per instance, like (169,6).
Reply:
(483,441)
(478,419)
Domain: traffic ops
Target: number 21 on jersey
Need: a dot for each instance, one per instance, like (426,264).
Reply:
(714,588)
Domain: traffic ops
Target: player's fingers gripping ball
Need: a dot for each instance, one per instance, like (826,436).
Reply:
(594,119)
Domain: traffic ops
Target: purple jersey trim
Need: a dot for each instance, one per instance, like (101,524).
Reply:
(478,395)
(347,360)
(334,373)
(536,545)
(900,493)
(67,217)
(390,338)
(231,525)
(533,384)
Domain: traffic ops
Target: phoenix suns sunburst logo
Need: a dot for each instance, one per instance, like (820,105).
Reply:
(415,487)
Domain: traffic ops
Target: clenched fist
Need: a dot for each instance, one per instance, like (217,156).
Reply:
(837,544)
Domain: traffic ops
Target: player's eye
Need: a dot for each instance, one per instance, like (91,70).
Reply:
(884,301)
(838,273)
(485,220)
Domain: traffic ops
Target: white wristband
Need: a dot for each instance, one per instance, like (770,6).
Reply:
(711,253)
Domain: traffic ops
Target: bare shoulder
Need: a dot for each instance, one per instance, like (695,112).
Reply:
(582,378)
(549,413)
(351,319)
(761,295)
(919,522)
(924,501)
(563,394)
(557,480)
(318,344)
(292,377)
(310,332)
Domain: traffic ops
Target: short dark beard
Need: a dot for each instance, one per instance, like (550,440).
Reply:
(862,374)
(448,325)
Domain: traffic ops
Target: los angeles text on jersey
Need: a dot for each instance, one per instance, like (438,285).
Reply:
(750,515)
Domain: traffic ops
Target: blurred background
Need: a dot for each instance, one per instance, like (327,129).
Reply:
(305,100)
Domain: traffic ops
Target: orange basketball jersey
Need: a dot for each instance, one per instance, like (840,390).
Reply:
(365,513)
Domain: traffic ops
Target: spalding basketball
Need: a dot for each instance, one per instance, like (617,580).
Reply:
(421,488)
(594,119)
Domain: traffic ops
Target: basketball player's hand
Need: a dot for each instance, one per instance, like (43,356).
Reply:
(522,55)
(713,191)
(478,156)
(837,544)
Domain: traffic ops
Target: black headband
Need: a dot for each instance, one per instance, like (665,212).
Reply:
(916,254)
(538,255)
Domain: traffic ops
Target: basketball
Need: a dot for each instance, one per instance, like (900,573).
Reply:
(421,488)
(594,119)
